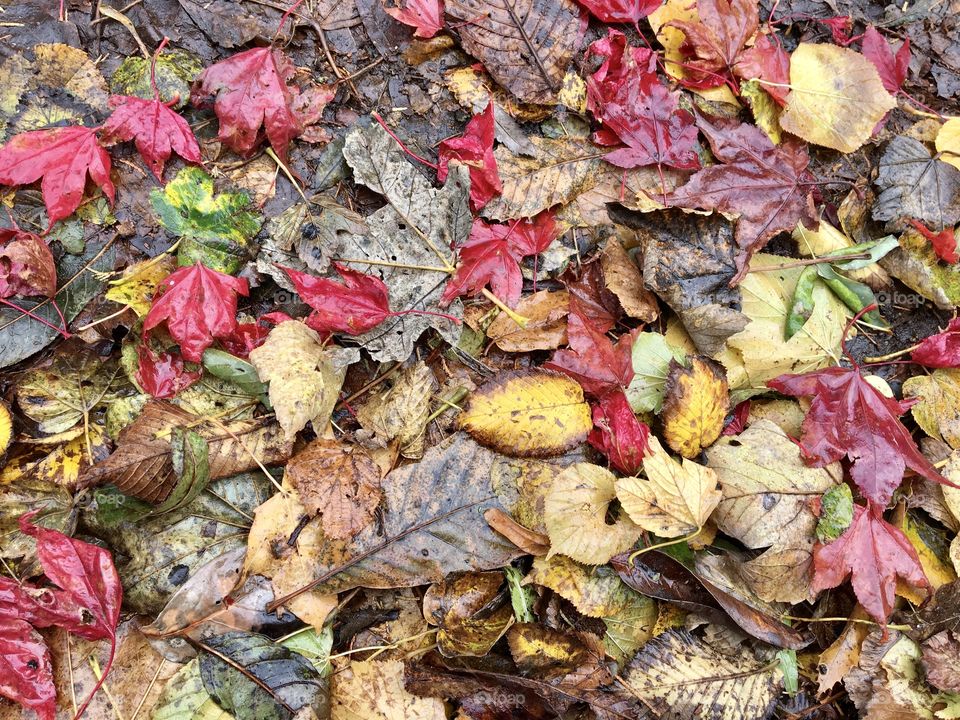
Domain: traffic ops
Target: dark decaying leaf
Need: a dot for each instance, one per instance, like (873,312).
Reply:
(526,46)
(432,525)
(251,677)
(914,184)
(142,464)
(471,612)
(676,671)
(689,261)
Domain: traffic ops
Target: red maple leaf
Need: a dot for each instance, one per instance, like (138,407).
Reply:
(638,110)
(26,671)
(492,255)
(157,130)
(738,419)
(198,305)
(944,242)
(593,360)
(840,27)
(618,434)
(941,350)
(475,150)
(424,15)
(713,45)
(766,61)
(63,157)
(162,374)
(252,89)
(250,335)
(891,68)
(873,553)
(26,265)
(620,11)
(358,304)
(765,184)
(850,418)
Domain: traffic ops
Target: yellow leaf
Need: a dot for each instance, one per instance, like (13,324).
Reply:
(813,243)
(765,110)
(948,142)
(576,515)
(304,375)
(473,88)
(836,98)
(937,410)
(62,465)
(573,92)
(6,429)
(139,281)
(937,571)
(675,499)
(528,414)
(694,405)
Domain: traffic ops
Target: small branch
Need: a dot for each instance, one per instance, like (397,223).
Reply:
(891,356)
(809,261)
(517,318)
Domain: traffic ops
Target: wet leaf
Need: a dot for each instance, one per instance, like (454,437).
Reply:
(475,150)
(526,49)
(618,434)
(139,282)
(304,376)
(675,499)
(936,403)
(948,142)
(651,357)
(27,671)
(175,71)
(914,184)
(338,482)
(623,279)
(576,512)
(528,414)
(470,611)
(546,329)
(836,97)
(374,690)
(426,16)
(142,464)
(399,414)
(694,406)
(185,698)
(676,670)
(714,43)
(27,265)
(566,659)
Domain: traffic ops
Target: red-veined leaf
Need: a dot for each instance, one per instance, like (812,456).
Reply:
(475,150)
(713,45)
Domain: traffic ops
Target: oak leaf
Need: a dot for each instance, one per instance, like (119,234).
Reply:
(63,157)
(694,406)
(675,499)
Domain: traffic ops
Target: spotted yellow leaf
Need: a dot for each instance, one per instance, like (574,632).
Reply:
(948,142)
(836,97)
(694,406)
(139,281)
(6,429)
(674,499)
(577,513)
(528,414)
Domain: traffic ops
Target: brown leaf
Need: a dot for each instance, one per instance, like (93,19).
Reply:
(526,45)
(400,413)
(694,405)
(470,611)
(568,659)
(623,279)
(532,543)
(141,465)
(546,312)
(941,661)
(338,482)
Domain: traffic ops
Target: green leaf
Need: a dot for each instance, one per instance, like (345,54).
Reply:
(214,230)
(229,367)
(790,670)
(855,295)
(185,698)
(522,598)
(876,249)
(836,513)
(802,307)
(651,360)
(314,646)
(176,69)
(255,679)
(190,459)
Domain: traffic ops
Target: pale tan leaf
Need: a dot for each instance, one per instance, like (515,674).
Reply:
(400,412)
(546,312)
(374,691)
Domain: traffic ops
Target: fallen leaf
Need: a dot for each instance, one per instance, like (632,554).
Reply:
(623,279)
(469,611)
(842,656)
(714,43)
(618,434)
(355,306)
(338,482)
(27,671)
(948,142)
(162,374)
(528,414)
(594,592)
(599,365)
(532,543)
(399,414)
(526,49)
(198,305)
(616,11)
(891,68)
(850,418)
(768,64)
(304,375)
(651,356)
(63,157)
(873,554)
(936,400)
(546,312)
(142,464)
(940,654)
(559,171)
(26,265)
(173,71)
(158,131)
(766,184)
(139,282)
(842,117)
(565,659)
(914,184)
(374,690)
(475,150)
(252,89)
(575,514)
(426,16)
(695,405)
(944,243)
(676,670)
(674,500)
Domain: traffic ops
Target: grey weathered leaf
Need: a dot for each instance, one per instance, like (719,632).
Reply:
(915,185)
(408,241)
(526,45)
(689,261)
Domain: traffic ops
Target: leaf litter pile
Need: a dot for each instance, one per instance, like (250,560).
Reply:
(479,360)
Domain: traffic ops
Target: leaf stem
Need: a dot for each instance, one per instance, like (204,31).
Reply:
(153,67)
(891,356)
(287,14)
(516,317)
(862,621)
(387,263)
(408,151)
(675,541)
(24,311)
(809,261)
